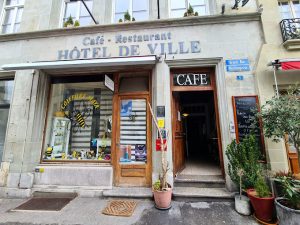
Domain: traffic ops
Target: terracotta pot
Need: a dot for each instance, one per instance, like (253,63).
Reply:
(163,198)
(263,207)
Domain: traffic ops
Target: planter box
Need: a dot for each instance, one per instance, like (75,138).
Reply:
(286,216)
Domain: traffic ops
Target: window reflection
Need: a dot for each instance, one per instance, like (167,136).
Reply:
(179,7)
(78,12)
(139,9)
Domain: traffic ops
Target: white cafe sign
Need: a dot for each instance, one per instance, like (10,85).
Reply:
(191,79)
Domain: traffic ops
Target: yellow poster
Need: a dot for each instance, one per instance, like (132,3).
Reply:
(161,123)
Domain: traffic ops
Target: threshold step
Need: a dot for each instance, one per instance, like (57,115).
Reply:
(201,181)
(81,191)
(128,192)
(191,194)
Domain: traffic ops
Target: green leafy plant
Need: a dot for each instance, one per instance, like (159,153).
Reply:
(69,21)
(156,185)
(261,187)
(120,20)
(245,156)
(190,9)
(127,16)
(281,117)
(76,23)
(190,12)
(133,19)
(291,190)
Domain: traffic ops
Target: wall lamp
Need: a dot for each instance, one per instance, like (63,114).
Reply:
(87,8)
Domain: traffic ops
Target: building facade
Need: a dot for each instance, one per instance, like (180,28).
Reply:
(281,32)
(76,100)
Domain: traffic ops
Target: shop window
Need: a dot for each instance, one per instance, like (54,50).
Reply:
(6,90)
(79,124)
(179,7)
(78,12)
(138,9)
(289,9)
(12,16)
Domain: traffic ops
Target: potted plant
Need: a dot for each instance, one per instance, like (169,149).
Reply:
(190,12)
(243,165)
(162,191)
(262,200)
(69,22)
(288,205)
(244,155)
(76,23)
(281,117)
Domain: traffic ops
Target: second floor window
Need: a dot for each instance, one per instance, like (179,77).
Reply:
(13,10)
(179,7)
(138,9)
(289,9)
(78,12)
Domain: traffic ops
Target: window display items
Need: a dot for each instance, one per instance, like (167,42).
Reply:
(79,122)
(125,151)
(140,153)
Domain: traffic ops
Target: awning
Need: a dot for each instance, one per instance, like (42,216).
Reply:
(138,60)
(286,64)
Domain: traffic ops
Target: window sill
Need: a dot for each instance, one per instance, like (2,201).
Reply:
(291,45)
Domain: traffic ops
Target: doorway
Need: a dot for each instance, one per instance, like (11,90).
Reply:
(201,150)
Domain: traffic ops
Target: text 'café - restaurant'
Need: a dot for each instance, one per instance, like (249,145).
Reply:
(87,120)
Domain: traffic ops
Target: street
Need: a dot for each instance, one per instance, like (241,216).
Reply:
(87,211)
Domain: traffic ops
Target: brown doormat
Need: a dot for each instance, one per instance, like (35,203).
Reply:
(120,208)
(44,204)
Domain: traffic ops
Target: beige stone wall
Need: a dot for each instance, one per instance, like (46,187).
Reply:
(48,14)
(271,50)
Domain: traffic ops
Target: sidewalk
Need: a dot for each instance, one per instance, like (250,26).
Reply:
(87,211)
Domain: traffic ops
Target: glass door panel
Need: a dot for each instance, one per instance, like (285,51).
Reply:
(133,131)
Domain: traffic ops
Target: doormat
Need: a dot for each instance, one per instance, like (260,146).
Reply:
(44,204)
(120,208)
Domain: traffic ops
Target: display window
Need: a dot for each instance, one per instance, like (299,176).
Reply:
(79,122)
(6,90)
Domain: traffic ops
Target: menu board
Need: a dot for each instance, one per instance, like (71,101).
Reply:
(244,109)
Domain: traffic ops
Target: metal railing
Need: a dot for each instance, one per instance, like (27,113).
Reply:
(290,29)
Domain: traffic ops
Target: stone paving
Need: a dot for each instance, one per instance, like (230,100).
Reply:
(87,211)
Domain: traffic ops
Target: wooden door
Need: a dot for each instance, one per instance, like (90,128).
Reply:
(133,141)
(178,135)
(292,155)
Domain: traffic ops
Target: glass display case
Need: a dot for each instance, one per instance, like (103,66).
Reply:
(60,137)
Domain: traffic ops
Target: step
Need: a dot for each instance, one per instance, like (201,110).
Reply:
(128,192)
(195,194)
(81,191)
(200,181)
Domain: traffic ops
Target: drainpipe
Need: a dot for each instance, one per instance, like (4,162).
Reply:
(158,11)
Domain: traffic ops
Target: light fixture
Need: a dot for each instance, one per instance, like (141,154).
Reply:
(185,114)
(87,8)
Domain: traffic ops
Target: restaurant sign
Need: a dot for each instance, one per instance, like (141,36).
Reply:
(191,79)
(121,45)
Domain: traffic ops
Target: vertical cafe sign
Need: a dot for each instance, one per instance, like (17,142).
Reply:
(121,45)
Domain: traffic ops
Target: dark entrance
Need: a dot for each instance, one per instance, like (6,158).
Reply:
(198,118)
